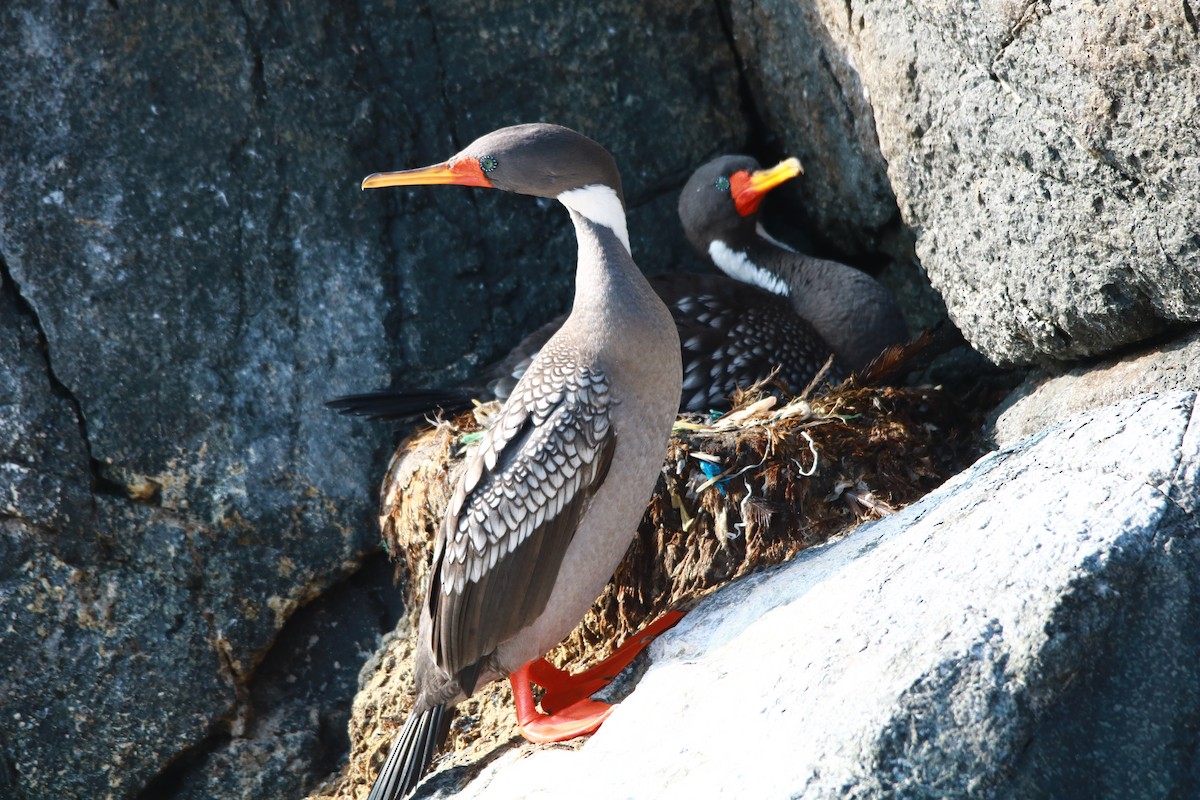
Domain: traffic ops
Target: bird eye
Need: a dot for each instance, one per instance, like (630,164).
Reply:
(722,184)
(488,163)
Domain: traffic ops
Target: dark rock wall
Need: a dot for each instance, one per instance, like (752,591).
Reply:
(189,270)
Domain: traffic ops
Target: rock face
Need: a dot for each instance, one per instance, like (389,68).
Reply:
(1037,150)
(189,568)
(1028,630)
(812,99)
(1044,400)
(188,270)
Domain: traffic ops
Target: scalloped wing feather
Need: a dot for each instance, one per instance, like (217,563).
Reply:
(515,512)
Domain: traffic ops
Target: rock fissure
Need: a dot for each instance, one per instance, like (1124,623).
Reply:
(758,133)
(1029,14)
(1184,491)
(239,159)
(1176,480)
(844,103)
(1109,159)
(170,779)
(439,58)
(253,44)
(57,387)
(295,699)
(1163,250)
(9,770)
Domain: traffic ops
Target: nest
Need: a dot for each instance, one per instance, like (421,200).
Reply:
(737,493)
(747,490)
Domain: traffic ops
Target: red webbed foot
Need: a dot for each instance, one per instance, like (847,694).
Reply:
(569,709)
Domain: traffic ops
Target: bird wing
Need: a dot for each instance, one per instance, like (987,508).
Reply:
(516,509)
(739,336)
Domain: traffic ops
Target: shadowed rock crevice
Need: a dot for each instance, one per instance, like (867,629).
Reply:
(8,771)
(9,285)
(10,291)
(761,142)
(1170,360)
(288,729)
(253,51)
(169,782)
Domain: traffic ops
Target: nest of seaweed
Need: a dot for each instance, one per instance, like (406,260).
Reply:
(737,493)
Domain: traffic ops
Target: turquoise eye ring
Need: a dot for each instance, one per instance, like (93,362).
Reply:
(722,184)
(488,163)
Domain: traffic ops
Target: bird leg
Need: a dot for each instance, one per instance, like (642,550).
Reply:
(579,719)
(569,709)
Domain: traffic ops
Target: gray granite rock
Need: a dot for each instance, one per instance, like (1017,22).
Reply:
(1028,630)
(188,270)
(1037,150)
(1043,400)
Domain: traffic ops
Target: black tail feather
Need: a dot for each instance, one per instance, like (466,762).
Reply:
(410,755)
(390,405)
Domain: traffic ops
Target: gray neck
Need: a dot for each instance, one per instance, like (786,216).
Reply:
(605,273)
(612,297)
(855,315)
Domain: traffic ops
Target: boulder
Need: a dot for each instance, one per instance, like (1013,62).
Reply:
(1027,630)
(1045,399)
(1035,149)
(188,270)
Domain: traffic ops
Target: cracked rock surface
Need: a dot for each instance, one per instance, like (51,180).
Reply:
(188,270)
(1043,400)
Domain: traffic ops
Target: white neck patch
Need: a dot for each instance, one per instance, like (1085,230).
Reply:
(600,204)
(762,233)
(738,265)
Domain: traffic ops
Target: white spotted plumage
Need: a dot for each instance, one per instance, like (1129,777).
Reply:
(531,463)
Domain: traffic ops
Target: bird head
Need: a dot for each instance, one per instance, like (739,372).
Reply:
(722,198)
(537,159)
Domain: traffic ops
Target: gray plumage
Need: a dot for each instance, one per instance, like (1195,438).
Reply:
(551,498)
(517,504)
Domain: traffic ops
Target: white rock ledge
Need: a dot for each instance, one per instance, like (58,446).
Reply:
(1030,629)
